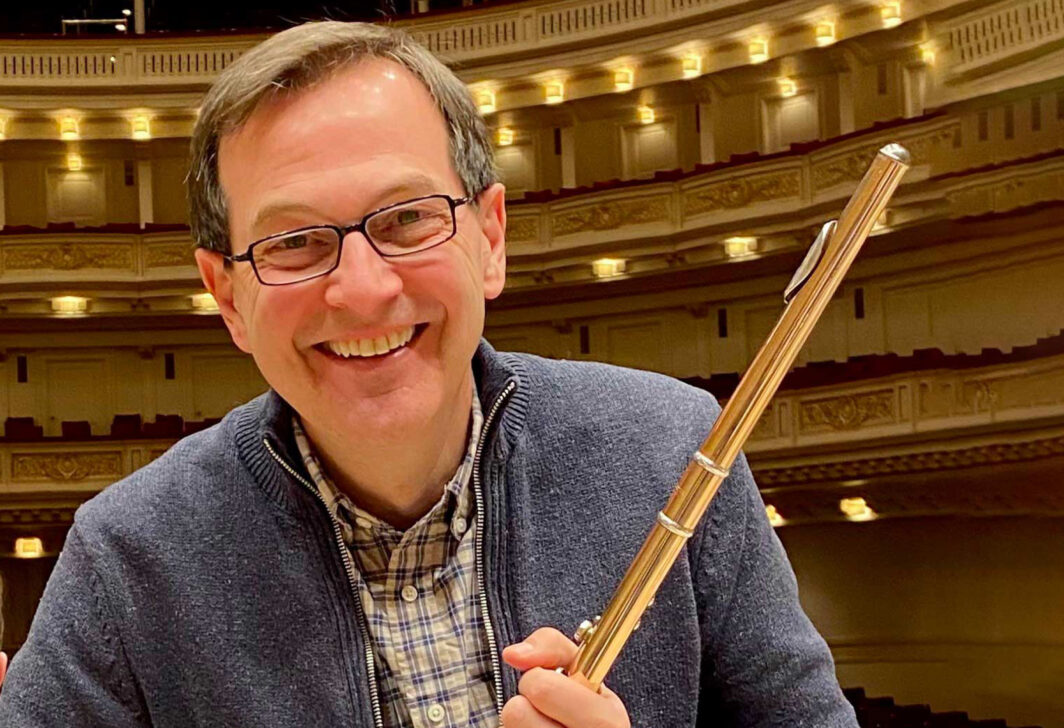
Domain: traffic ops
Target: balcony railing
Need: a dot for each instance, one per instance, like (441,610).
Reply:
(472,37)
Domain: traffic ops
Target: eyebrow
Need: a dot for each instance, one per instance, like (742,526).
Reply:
(415,184)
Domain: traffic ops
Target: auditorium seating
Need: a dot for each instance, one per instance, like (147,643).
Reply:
(21,429)
(80,430)
(123,427)
(881,712)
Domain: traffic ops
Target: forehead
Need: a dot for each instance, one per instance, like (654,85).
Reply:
(334,146)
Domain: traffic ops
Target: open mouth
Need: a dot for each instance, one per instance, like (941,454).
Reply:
(368,348)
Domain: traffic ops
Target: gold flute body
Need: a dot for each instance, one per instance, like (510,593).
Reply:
(601,641)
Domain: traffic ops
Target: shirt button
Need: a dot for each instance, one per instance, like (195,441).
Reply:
(435,712)
(409,593)
(459,526)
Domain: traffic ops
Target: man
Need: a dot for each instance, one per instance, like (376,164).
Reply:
(357,546)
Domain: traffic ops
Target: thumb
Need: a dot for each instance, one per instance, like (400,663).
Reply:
(3,666)
(546,647)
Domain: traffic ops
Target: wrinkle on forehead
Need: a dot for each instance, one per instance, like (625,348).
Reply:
(379,123)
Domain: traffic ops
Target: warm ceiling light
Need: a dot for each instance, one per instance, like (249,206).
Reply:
(623,79)
(73,161)
(486,101)
(856,509)
(505,136)
(927,54)
(3,128)
(825,33)
(606,267)
(758,50)
(740,245)
(788,87)
(204,302)
(890,12)
(141,127)
(692,65)
(120,27)
(68,128)
(774,516)
(29,548)
(554,92)
(646,115)
(70,304)
(127,12)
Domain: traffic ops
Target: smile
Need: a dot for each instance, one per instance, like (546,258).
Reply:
(375,346)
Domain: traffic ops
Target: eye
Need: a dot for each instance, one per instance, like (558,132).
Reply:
(292,242)
(407,216)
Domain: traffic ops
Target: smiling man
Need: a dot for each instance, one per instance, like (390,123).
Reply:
(392,534)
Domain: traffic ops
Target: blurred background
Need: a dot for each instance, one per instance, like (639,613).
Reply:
(668,163)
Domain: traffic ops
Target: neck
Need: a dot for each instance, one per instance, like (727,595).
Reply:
(397,476)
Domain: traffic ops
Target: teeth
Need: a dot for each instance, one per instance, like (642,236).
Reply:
(372,347)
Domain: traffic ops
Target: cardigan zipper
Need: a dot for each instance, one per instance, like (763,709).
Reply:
(496,663)
(349,567)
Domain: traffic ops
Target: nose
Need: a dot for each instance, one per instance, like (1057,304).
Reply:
(363,282)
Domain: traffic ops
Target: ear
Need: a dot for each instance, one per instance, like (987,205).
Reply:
(492,208)
(219,281)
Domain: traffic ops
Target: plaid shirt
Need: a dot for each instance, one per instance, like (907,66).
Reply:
(419,592)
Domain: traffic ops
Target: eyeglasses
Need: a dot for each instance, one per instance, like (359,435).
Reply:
(394,231)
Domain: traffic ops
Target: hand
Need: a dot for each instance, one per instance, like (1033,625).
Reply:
(3,666)
(549,699)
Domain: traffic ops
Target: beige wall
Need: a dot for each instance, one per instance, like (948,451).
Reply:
(959,613)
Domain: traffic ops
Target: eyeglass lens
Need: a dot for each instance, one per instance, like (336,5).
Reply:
(400,230)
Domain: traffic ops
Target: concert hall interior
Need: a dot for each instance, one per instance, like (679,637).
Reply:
(667,163)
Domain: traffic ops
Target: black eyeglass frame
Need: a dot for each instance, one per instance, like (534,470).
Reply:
(342,231)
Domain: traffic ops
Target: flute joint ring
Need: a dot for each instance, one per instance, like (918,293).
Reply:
(673,527)
(708,465)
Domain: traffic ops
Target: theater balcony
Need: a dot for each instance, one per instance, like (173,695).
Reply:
(667,163)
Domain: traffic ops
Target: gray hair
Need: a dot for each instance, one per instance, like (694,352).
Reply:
(297,59)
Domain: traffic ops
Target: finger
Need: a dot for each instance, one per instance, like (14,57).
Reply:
(520,713)
(571,703)
(546,647)
(3,666)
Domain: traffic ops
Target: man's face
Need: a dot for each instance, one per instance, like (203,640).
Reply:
(369,137)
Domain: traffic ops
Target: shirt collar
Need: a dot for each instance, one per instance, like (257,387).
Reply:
(458,489)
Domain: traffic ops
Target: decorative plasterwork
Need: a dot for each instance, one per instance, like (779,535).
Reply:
(852,165)
(32,516)
(742,191)
(911,462)
(165,255)
(920,403)
(604,216)
(522,229)
(68,256)
(66,467)
(849,411)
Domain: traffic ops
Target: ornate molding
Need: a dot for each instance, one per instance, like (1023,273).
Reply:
(849,411)
(742,191)
(66,467)
(611,215)
(912,462)
(523,229)
(852,165)
(169,254)
(68,256)
(37,516)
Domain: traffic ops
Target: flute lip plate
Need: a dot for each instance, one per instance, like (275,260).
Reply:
(897,152)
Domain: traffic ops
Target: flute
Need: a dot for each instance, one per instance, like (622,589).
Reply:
(806,296)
